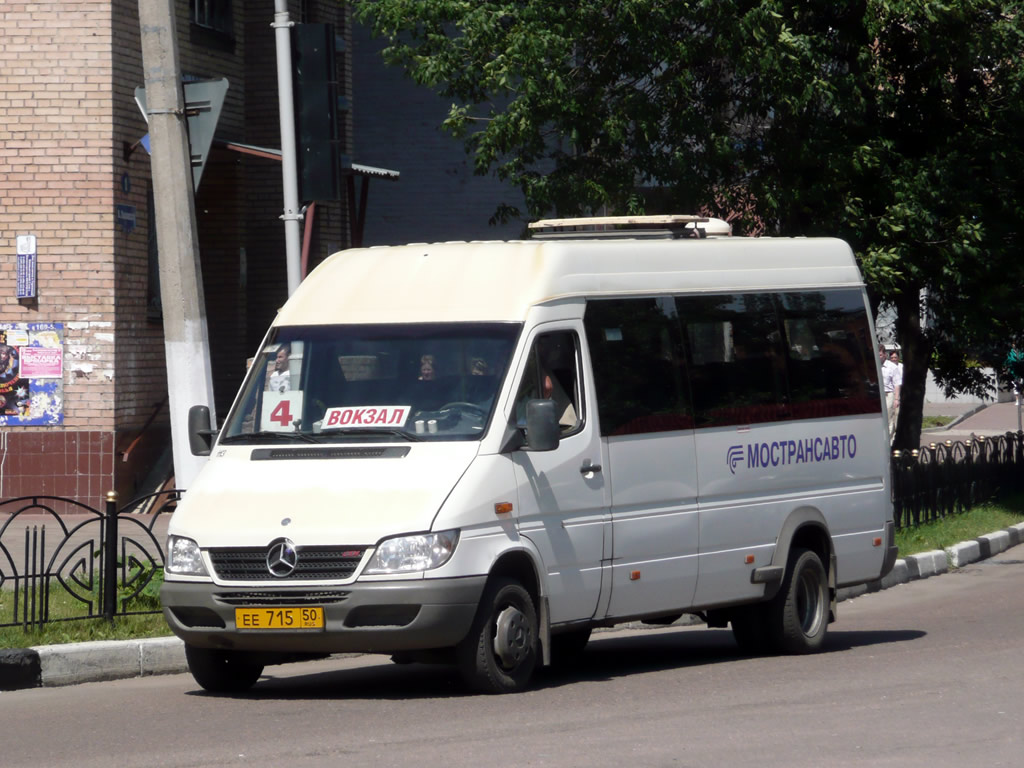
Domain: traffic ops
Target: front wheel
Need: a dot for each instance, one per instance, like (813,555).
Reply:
(500,652)
(222,671)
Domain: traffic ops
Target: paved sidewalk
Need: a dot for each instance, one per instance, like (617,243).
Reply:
(972,421)
(69,664)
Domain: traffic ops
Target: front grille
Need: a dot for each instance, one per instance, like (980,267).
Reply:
(250,564)
(281,598)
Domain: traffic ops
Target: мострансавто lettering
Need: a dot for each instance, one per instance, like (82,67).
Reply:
(787,452)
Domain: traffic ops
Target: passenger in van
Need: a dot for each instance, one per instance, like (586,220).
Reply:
(280,378)
(553,390)
(428,370)
(478,367)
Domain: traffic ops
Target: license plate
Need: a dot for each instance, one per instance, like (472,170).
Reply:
(279,618)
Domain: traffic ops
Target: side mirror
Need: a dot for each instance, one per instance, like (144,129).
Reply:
(542,430)
(200,433)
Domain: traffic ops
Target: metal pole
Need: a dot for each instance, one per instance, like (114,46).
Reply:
(289,153)
(186,340)
(110,558)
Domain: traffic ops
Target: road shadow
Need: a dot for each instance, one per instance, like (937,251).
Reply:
(847,641)
(606,657)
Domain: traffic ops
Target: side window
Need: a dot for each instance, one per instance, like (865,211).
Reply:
(737,357)
(829,360)
(636,348)
(552,371)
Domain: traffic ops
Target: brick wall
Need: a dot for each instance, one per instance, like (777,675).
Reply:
(56,182)
(68,72)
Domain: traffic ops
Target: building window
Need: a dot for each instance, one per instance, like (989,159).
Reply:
(212,14)
(212,24)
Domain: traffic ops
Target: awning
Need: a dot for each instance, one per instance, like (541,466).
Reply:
(356,207)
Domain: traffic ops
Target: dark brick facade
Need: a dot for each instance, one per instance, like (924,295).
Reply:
(67,78)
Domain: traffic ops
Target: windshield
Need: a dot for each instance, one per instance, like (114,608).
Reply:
(325,383)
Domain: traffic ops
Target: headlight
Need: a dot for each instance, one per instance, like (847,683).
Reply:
(184,557)
(406,554)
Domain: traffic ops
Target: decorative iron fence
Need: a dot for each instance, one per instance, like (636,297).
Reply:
(945,478)
(103,560)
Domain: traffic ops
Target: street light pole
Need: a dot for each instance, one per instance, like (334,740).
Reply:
(292,216)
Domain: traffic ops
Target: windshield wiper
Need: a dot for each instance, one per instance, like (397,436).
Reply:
(268,435)
(373,431)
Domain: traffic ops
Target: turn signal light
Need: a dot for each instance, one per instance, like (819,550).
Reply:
(503,507)
(878,541)
(749,559)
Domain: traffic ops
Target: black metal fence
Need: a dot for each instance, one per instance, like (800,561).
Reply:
(946,478)
(103,561)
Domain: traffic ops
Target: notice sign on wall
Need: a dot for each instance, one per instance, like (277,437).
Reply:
(31,374)
(26,266)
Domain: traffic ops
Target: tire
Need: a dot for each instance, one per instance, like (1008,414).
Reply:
(567,647)
(798,615)
(222,671)
(500,652)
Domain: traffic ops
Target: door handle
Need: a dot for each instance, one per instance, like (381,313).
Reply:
(587,469)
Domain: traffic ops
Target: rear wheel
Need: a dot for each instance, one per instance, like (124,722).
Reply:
(222,671)
(799,613)
(500,652)
(795,620)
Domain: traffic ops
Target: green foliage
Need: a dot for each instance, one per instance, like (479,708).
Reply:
(894,124)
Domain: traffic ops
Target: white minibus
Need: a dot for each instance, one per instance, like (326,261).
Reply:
(478,452)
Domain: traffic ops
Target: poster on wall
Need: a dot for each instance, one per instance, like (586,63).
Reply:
(31,374)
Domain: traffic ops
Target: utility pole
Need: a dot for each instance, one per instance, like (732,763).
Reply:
(186,342)
(289,153)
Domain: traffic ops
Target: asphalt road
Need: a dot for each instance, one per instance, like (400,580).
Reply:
(927,673)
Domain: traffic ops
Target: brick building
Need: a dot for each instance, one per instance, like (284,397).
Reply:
(84,402)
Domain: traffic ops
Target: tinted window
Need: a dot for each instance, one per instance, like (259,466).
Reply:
(831,369)
(639,365)
(738,370)
(675,363)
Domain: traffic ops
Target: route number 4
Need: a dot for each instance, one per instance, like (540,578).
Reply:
(282,414)
(280,410)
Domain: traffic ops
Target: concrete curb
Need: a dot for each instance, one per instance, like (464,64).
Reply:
(73,663)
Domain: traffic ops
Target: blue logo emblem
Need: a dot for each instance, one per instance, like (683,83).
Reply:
(733,457)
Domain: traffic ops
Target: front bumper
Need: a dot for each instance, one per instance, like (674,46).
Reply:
(378,617)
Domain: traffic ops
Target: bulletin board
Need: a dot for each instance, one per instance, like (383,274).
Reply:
(31,374)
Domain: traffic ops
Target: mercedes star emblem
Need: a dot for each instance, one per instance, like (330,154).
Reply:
(282,558)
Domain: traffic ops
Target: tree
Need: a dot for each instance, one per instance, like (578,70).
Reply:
(894,124)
